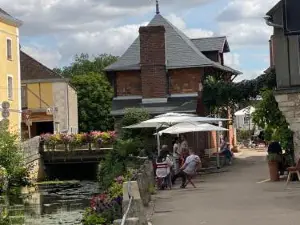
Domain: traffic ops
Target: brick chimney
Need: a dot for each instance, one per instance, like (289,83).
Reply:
(153,62)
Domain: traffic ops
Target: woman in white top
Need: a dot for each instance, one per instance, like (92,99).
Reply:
(163,170)
(176,154)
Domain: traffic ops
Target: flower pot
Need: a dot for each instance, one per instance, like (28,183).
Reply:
(273,170)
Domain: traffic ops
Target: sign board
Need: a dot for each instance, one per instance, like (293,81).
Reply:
(5,113)
(5,105)
(291,17)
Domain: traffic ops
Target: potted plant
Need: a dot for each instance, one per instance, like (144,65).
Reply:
(273,163)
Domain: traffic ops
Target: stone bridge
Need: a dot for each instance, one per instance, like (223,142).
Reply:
(37,158)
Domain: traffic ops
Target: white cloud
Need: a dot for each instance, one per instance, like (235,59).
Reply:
(249,75)
(111,40)
(232,60)
(242,21)
(246,9)
(190,32)
(52,16)
(46,56)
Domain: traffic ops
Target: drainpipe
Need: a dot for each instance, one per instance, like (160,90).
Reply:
(68,109)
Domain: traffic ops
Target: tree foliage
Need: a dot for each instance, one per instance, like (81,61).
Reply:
(84,64)
(219,94)
(11,157)
(94,101)
(93,90)
(270,118)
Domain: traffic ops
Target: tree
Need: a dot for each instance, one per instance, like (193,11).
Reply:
(83,64)
(93,90)
(11,158)
(270,118)
(134,116)
(94,101)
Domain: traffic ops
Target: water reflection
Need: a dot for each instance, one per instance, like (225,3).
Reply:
(51,204)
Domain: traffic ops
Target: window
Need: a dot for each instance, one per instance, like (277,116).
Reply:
(24,97)
(247,120)
(9,49)
(9,87)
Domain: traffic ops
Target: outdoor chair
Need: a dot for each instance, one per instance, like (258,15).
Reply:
(190,180)
(163,178)
(293,170)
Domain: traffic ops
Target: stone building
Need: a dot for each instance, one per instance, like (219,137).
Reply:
(50,99)
(163,68)
(284,55)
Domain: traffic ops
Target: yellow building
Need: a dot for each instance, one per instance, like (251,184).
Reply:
(10,81)
(50,99)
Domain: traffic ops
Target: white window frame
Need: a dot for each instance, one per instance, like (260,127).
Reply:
(10,59)
(12,87)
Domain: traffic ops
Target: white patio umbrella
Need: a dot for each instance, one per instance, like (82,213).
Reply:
(175,114)
(181,128)
(159,122)
(187,127)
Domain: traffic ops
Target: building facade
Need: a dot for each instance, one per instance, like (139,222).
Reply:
(49,100)
(163,69)
(10,68)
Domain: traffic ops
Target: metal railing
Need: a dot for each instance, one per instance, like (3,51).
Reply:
(129,204)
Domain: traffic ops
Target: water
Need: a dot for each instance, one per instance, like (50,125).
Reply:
(51,204)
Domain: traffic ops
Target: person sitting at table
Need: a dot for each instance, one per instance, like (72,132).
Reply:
(189,168)
(164,164)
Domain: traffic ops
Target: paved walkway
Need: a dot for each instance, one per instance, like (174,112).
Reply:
(239,196)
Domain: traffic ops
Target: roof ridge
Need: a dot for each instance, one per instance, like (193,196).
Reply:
(208,37)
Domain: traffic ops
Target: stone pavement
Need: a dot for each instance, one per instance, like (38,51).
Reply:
(239,196)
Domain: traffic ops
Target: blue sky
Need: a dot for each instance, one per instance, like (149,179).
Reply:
(54,31)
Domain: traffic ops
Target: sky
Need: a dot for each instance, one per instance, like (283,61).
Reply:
(54,31)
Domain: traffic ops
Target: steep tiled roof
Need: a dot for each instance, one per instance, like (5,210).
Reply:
(31,69)
(8,18)
(181,52)
(219,44)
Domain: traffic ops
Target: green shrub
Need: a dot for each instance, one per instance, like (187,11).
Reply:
(11,158)
(92,218)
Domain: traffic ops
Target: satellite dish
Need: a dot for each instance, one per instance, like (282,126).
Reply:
(291,17)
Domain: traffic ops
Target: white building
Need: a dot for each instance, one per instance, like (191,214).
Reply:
(243,118)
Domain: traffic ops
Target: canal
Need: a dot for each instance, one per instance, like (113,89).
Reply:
(51,203)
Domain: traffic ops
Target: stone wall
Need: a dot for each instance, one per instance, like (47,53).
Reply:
(289,105)
(140,190)
(33,159)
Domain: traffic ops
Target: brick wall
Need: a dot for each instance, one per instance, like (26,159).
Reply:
(153,60)
(128,83)
(185,80)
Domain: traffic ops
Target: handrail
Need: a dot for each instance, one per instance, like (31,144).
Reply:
(129,204)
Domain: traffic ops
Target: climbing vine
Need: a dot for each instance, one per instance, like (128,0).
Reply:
(219,94)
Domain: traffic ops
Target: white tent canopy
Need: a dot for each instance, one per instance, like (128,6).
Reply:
(245,111)
(191,127)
